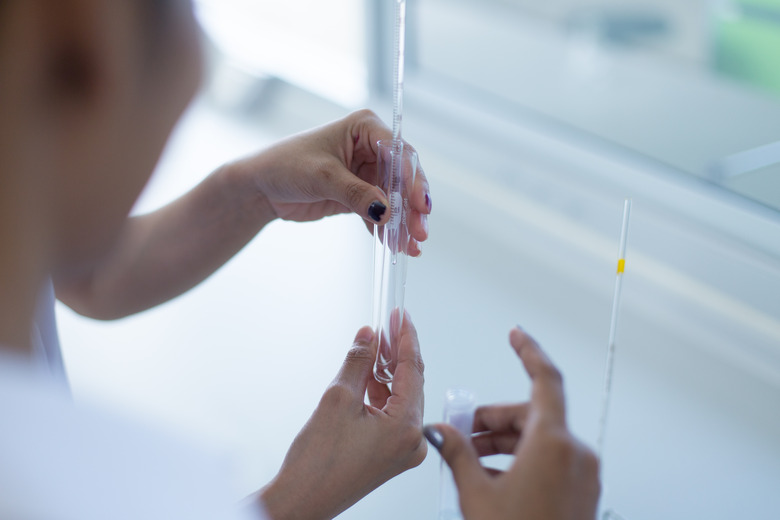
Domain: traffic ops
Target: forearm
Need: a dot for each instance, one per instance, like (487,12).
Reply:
(163,254)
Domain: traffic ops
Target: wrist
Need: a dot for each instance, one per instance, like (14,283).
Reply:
(244,195)
(281,503)
(289,497)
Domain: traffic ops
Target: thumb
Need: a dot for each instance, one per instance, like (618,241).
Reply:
(459,455)
(358,196)
(358,364)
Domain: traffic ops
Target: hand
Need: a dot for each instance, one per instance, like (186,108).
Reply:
(332,170)
(349,448)
(553,477)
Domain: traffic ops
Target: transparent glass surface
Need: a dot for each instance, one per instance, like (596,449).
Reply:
(459,407)
(391,243)
(693,85)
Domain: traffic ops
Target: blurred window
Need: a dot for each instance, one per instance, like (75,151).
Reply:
(319,46)
(692,84)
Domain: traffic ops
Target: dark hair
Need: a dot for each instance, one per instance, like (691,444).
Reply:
(154,20)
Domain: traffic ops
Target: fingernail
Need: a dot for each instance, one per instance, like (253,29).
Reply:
(376,210)
(434,436)
(519,328)
(428,202)
(425,224)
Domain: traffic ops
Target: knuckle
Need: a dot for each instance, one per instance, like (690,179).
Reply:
(590,462)
(359,354)
(588,471)
(418,455)
(410,439)
(562,449)
(409,445)
(354,193)
(364,113)
(336,396)
(551,372)
(324,171)
(417,364)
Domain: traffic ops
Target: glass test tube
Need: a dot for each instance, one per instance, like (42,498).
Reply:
(391,244)
(459,407)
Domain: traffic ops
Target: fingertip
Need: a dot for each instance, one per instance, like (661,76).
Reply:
(408,323)
(522,342)
(423,200)
(413,249)
(517,337)
(424,227)
(378,212)
(457,452)
(364,336)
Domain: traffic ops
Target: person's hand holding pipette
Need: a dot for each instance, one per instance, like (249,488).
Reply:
(349,448)
(331,170)
(553,477)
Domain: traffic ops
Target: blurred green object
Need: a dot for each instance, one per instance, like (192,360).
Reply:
(747,42)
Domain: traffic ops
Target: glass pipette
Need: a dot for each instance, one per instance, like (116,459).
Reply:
(394,191)
(392,239)
(398,67)
(621,267)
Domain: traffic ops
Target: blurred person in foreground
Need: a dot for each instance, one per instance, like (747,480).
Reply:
(89,92)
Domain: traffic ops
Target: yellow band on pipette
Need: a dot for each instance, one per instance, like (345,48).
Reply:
(621,266)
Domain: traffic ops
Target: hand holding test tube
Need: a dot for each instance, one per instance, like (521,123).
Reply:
(553,475)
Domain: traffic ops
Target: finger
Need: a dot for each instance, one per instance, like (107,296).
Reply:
(491,443)
(378,393)
(547,396)
(413,248)
(369,226)
(494,472)
(356,369)
(418,225)
(508,418)
(421,193)
(359,196)
(459,455)
(408,376)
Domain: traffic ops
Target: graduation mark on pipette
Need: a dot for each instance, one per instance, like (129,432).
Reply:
(396,161)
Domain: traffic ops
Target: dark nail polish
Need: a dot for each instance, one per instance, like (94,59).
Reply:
(428,202)
(376,210)
(434,436)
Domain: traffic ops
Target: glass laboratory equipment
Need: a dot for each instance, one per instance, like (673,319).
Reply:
(459,407)
(396,167)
